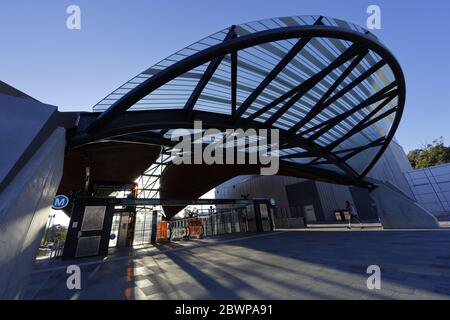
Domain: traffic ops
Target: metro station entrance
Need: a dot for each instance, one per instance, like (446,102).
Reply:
(98,223)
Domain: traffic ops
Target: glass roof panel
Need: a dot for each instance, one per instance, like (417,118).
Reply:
(255,64)
(315,53)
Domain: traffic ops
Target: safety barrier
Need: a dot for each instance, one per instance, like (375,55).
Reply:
(195,228)
(178,233)
(162,231)
(224,222)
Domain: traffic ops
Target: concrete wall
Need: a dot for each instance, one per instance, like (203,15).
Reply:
(24,125)
(32,145)
(24,208)
(397,211)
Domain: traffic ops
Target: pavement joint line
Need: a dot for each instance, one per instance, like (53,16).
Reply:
(94,272)
(41,286)
(165,251)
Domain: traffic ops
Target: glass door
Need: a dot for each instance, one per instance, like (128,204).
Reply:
(90,233)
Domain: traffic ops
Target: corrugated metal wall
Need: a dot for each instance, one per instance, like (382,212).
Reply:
(333,198)
(391,168)
(258,187)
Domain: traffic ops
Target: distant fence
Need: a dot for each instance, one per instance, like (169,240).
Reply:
(57,252)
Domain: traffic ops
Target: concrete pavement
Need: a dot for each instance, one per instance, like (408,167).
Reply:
(295,264)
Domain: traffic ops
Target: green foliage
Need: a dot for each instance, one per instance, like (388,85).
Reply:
(55,234)
(429,155)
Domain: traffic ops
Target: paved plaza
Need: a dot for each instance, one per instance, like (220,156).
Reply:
(294,264)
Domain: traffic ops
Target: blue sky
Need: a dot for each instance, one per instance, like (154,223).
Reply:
(74,69)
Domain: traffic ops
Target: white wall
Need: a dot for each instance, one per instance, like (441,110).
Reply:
(24,208)
(32,147)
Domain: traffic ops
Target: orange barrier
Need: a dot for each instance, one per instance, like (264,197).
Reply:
(195,228)
(161,230)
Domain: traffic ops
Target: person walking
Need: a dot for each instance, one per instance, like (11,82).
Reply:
(353,214)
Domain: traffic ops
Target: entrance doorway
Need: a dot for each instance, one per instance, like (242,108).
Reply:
(99,223)
(89,229)
(124,224)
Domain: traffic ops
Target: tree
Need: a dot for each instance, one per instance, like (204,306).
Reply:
(56,233)
(430,155)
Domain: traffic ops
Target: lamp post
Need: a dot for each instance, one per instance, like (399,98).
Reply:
(48,227)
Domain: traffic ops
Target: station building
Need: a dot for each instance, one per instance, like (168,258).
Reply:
(332,90)
(317,201)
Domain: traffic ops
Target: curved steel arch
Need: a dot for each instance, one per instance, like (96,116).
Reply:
(144,121)
(231,45)
(236,44)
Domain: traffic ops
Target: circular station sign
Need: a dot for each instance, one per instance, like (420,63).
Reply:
(60,202)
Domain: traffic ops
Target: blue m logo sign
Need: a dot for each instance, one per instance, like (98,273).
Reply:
(60,202)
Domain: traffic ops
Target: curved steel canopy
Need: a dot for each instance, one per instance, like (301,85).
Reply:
(332,89)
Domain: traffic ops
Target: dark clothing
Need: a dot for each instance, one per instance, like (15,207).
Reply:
(351,211)
(353,215)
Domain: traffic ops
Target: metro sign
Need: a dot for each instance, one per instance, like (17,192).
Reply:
(60,202)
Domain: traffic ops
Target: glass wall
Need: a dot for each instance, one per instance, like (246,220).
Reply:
(431,188)
(143,227)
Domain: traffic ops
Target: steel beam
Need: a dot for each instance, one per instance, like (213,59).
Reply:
(308,84)
(361,126)
(320,107)
(333,87)
(189,63)
(331,123)
(207,75)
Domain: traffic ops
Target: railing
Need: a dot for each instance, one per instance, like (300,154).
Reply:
(51,253)
(57,252)
(225,222)
(233,221)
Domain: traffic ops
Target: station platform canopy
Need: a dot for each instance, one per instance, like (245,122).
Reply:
(333,90)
